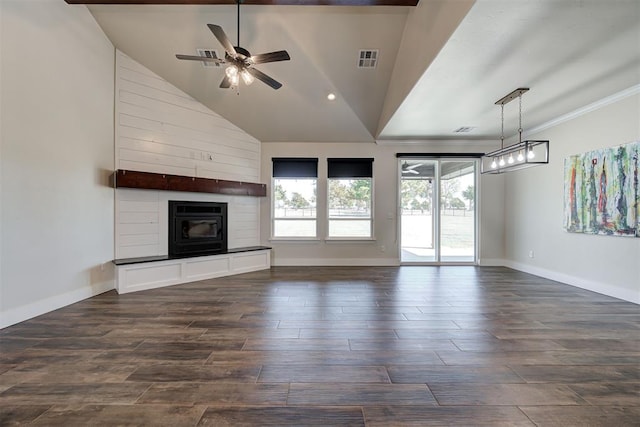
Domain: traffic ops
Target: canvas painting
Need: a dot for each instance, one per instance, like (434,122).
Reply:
(602,192)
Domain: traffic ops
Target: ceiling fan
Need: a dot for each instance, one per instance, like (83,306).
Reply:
(406,168)
(240,61)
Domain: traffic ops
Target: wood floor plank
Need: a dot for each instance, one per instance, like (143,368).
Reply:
(499,358)
(609,393)
(77,373)
(282,416)
(348,334)
(576,374)
(505,394)
(506,345)
(38,356)
(599,344)
(120,415)
(65,393)
(592,416)
(453,374)
(296,344)
(215,394)
(401,345)
(196,373)
(15,415)
(360,394)
(609,357)
(321,357)
(335,374)
(420,416)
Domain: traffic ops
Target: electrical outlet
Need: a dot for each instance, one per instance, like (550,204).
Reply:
(531,254)
(383,248)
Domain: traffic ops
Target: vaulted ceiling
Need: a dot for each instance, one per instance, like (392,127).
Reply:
(442,64)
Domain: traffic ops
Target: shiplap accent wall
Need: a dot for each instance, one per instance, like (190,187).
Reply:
(161,129)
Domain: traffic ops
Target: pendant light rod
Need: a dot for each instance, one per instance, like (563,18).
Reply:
(502,127)
(238,1)
(520,118)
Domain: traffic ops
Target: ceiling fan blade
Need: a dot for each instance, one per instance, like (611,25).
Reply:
(223,39)
(200,58)
(264,78)
(225,83)
(262,58)
(414,166)
(410,171)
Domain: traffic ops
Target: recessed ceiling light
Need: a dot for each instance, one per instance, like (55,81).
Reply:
(331,96)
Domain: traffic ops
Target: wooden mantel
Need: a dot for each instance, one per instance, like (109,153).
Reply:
(158,181)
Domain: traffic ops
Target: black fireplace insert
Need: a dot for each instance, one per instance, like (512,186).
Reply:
(197,228)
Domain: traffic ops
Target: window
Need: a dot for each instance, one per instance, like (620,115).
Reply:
(350,192)
(294,197)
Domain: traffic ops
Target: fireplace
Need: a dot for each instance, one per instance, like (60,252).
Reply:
(197,228)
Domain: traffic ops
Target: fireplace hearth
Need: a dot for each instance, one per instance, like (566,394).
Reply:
(197,228)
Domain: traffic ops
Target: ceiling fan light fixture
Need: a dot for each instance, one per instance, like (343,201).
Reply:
(232,75)
(231,71)
(247,78)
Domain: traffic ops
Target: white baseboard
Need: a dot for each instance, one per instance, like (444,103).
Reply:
(336,262)
(579,282)
(491,262)
(29,311)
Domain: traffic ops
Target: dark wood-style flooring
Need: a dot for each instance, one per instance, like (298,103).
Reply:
(383,346)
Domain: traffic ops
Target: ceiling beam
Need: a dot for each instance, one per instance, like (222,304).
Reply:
(259,2)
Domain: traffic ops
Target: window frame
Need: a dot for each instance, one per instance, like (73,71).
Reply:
(350,169)
(293,168)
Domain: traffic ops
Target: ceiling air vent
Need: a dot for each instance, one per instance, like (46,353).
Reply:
(464,129)
(368,58)
(208,53)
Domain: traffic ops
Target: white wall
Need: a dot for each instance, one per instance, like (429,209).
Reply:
(385,170)
(534,210)
(161,129)
(56,82)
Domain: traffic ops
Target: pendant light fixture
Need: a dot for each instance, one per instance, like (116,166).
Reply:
(518,156)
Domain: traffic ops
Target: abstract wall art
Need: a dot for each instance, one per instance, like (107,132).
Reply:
(602,191)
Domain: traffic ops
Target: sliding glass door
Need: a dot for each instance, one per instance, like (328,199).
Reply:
(438,210)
